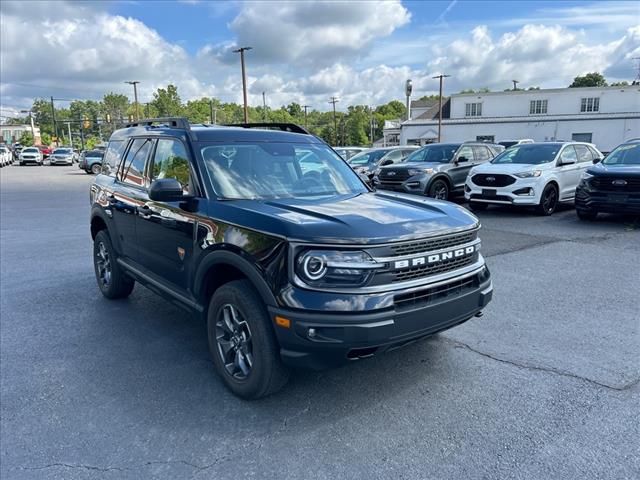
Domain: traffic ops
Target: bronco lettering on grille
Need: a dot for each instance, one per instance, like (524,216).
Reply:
(435,258)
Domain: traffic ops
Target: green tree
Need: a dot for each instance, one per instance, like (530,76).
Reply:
(429,98)
(620,84)
(593,79)
(45,138)
(167,101)
(26,139)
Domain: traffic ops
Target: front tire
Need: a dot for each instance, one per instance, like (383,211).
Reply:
(95,168)
(439,190)
(548,200)
(242,342)
(587,215)
(113,282)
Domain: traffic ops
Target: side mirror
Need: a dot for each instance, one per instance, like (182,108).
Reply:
(462,159)
(386,162)
(365,179)
(567,161)
(166,190)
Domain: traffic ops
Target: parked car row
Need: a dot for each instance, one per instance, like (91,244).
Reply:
(91,161)
(539,175)
(6,157)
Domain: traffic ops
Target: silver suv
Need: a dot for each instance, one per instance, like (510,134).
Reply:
(438,170)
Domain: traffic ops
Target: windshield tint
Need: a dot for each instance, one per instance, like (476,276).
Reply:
(372,156)
(62,151)
(624,155)
(433,153)
(30,150)
(529,154)
(278,170)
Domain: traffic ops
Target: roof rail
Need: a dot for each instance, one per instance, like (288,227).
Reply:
(176,122)
(285,127)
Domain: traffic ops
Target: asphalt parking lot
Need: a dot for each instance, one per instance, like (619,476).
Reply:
(544,385)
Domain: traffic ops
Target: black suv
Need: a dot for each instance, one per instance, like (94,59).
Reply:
(612,185)
(438,170)
(278,245)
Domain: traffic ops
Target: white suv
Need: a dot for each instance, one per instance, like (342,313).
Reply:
(536,174)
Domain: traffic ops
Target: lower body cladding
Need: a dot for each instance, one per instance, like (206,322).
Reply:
(319,340)
(607,202)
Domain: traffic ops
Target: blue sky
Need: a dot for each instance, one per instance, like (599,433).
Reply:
(306,51)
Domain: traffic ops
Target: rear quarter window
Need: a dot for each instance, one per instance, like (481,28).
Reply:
(113,157)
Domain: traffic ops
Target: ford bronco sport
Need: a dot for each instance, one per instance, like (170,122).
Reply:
(269,236)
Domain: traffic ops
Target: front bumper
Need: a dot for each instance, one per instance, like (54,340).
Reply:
(61,161)
(30,160)
(606,201)
(416,184)
(525,191)
(318,340)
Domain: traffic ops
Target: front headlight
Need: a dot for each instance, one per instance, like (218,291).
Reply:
(331,268)
(530,174)
(418,171)
(586,176)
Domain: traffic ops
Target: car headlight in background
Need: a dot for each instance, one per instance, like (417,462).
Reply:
(418,171)
(331,268)
(530,174)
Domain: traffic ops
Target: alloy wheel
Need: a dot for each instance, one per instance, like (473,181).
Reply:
(549,200)
(103,262)
(233,338)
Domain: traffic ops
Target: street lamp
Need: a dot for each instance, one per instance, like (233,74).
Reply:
(441,77)
(241,51)
(135,96)
(33,130)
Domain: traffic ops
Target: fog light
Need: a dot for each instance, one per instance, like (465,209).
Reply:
(311,333)
(413,184)
(528,191)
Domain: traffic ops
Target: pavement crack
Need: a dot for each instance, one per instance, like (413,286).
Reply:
(555,371)
(71,465)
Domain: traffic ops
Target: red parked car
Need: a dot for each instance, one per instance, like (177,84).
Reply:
(45,151)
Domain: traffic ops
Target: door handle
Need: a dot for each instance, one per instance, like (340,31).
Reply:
(144,211)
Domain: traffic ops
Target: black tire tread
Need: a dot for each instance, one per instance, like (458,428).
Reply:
(121,284)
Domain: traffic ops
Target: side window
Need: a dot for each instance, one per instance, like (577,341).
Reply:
(594,153)
(466,152)
(482,154)
(584,154)
(569,153)
(394,156)
(112,157)
(133,172)
(171,161)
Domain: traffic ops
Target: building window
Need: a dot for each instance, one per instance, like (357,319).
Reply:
(486,138)
(473,109)
(581,137)
(590,104)
(537,107)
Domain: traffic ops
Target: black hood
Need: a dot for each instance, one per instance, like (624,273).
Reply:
(601,169)
(367,218)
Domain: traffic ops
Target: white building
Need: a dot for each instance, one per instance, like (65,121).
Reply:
(605,116)
(11,133)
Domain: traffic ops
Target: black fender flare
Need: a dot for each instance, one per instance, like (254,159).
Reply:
(219,257)
(439,176)
(98,212)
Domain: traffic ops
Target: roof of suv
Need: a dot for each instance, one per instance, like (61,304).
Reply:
(216,133)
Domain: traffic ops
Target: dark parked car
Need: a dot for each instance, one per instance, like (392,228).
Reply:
(91,161)
(367,162)
(288,264)
(438,170)
(612,185)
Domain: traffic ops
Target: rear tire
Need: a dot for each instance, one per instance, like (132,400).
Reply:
(548,200)
(242,343)
(477,206)
(113,282)
(95,168)
(586,215)
(439,190)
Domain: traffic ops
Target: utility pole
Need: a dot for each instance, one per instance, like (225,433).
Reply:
(241,51)
(441,77)
(70,137)
(305,115)
(135,96)
(335,100)
(33,128)
(408,87)
(372,124)
(211,110)
(264,107)
(515,85)
(55,126)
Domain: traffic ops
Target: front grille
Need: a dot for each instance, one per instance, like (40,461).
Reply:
(393,176)
(492,180)
(606,184)
(426,270)
(434,244)
(430,295)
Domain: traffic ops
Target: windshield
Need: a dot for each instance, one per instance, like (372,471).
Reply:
(278,170)
(94,153)
(62,151)
(30,150)
(529,154)
(371,156)
(628,154)
(434,154)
